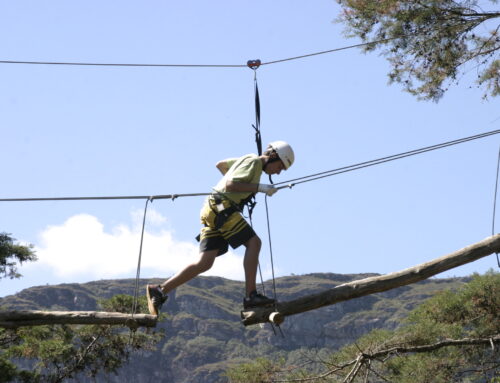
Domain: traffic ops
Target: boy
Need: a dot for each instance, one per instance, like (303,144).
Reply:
(224,225)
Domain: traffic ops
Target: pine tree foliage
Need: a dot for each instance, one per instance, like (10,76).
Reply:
(53,354)
(452,337)
(430,44)
(12,253)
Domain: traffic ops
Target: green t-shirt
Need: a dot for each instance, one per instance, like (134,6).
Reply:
(246,169)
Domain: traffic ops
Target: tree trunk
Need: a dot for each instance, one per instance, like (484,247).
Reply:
(372,285)
(13,319)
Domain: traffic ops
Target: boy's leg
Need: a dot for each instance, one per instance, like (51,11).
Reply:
(203,264)
(156,295)
(251,263)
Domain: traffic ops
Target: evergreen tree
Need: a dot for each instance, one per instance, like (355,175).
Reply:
(452,337)
(11,253)
(430,43)
(53,354)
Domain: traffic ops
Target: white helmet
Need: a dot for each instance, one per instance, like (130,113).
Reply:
(284,151)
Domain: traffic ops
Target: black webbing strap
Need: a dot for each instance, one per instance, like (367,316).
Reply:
(258,138)
(254,65)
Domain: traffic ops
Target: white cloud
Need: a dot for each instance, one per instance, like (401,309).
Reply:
(153,217)
(81,247)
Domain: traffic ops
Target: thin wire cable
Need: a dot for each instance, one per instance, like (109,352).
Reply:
(138,272)
(124,64)
(378,161)
(271,251)
(495,203)
(195,65)
(272,265)
(289,183)
(329,51)
(261,279)
(164,196)
(137,277)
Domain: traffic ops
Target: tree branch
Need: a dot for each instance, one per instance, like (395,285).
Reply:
(363,357)
(69,370)
(434,346)
(484,15)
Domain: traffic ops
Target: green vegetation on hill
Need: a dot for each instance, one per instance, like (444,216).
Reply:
(203,333)
(451,337)
(53,354)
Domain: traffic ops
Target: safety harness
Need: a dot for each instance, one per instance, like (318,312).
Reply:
(223,213)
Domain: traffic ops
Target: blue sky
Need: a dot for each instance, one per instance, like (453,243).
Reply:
(102,131)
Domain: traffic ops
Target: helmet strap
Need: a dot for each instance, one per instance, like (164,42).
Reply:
(273,157)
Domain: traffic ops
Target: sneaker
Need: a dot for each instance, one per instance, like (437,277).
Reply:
(256,300)
(156,299)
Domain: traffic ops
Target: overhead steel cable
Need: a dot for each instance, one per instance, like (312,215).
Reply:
(193,65)
(361,165)
(329,51)
(150,198)
(123,64)
(289,183)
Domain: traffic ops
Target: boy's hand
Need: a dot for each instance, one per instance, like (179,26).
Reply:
(268,189)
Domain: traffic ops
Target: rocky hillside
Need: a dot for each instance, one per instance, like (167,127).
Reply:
(203,333)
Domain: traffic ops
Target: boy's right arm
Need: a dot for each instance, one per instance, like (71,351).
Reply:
(224,165)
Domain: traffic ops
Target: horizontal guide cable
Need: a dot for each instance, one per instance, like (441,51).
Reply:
(289,183)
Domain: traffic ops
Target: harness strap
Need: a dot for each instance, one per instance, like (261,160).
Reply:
(258,137)
(254,65)
(250,201)
(221,216)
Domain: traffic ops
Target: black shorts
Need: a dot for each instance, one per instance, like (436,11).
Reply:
(234,232)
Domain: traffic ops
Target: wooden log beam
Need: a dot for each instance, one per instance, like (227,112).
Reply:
(367,286)
(276,318)
(13,319)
